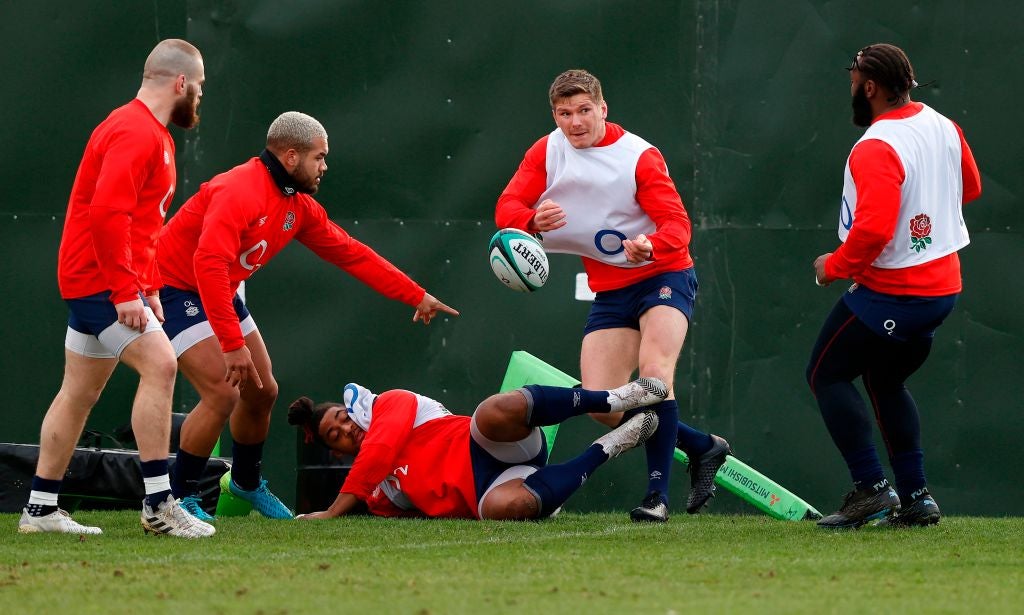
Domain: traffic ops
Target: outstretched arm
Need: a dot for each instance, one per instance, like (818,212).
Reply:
(429,307)
(344,504)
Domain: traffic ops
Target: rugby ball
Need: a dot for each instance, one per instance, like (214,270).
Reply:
(518,260)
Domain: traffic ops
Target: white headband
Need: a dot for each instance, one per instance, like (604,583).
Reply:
(359,402)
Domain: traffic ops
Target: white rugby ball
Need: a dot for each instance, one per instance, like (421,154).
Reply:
(518,260)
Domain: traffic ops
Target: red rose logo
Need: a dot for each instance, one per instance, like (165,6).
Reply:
(920,231)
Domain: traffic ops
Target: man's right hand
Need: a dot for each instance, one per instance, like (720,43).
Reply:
(548,217)
(240,368)
(132,314)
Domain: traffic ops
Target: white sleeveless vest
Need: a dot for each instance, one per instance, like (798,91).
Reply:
(596,186)
(931,223)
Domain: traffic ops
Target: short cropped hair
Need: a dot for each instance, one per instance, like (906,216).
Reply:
(573,82)
(294,130)
(172,57)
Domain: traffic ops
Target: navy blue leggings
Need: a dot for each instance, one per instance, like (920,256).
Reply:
(847,349)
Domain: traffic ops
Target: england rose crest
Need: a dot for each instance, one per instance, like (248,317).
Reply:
(920,232)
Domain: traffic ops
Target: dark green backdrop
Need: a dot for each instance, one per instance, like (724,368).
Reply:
(430,106)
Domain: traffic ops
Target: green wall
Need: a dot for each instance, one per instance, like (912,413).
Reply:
(430,106)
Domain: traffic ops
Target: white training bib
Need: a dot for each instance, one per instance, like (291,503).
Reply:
(931,223)
(596,186)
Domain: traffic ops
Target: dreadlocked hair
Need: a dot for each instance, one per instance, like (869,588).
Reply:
(303,413)
(889,66)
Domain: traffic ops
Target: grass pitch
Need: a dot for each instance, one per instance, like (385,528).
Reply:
(575,563)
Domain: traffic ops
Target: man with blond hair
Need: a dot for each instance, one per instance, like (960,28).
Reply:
(108,276)
(230,229)
(593,189)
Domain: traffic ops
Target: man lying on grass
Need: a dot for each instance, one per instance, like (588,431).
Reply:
(414,458)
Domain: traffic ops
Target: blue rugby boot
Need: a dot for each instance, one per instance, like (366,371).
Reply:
(193,506)
(265,502)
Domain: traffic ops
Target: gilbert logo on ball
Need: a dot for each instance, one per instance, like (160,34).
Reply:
(518,260)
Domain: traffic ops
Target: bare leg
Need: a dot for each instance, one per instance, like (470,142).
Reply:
(84,380)
(203,366)
(250,420)
(662,333)
(502,417)
(510,501)
(152,356)
(608,358)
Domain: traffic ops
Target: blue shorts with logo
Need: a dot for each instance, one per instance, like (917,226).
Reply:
(897,317)
(184,309)
(622,308)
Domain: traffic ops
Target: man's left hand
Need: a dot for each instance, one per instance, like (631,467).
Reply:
(155,305)
(638,250)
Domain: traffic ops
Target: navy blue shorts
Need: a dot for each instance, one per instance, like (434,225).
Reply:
(93,314)
(486,468)
(896,317)
(622,308)
(185,320)
(93,330)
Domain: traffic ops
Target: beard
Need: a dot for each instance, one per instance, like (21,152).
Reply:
(185,112)
(862,114)
(305,182)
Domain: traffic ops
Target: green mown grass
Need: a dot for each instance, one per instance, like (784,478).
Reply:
(575,563)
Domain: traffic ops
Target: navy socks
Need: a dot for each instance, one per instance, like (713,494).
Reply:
(42,500)
(660,448)
(865,467)
(549,405)
(552,485)
(909,470)
(691,441)
(156,480)
(188,469)
(245,470)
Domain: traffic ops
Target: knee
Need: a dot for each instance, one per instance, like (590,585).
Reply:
(222,398)
(260,401)
(160,370)
(268,394)
(820,374)
(81,398)
(523,507)
(501,410)
(516,504)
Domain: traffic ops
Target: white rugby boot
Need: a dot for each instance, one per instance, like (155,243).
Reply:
(640,392)
(630,434)
(171,519)
(58,521)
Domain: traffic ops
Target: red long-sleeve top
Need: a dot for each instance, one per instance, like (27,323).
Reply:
(237,222)
(430,464)
(117,206)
